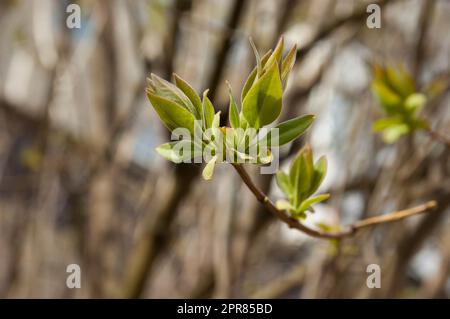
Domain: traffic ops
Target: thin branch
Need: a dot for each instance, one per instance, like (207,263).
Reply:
(426,14)
(348,231)
(236,14)
(438,136)
(410,243)
(398,215)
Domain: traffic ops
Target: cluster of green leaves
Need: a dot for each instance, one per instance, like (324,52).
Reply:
(179,106)
(301,182)
(395,91)
(260,105)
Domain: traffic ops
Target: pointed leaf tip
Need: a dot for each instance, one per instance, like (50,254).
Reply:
(208,171)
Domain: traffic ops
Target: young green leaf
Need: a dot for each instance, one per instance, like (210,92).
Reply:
(252,76)
(208,171)
(283,183)
(233,110)
(284,205)
(288,64)
(208,111)
(177,151)
(216,120)
(301,174)
(400,81)
(320,170)
(262,104)
(312,200)
(386,122)
(245,157)
(258,58)
(170,92)
(287,131)
(295,178)
(307,170)
(172,114)
(190,93)
(293,128)
(386,97)
(242,121)
(264,156)
(415,102)
(394,132)
(277,55)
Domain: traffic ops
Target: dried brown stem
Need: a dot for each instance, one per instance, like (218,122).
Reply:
(347,231)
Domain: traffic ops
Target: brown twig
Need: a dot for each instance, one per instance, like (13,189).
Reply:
(438,136)
(348,231)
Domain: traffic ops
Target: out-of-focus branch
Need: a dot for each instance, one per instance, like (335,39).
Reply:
(423,26)
(438,137)
(180,6)
(348,231)
(281,285)
(409,244)
(357,15)
(156,236)
(435,287)
(286,10)
(237,11)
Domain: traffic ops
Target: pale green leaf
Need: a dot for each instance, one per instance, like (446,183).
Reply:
(190,93)
(283,205)
(233,110)
(170,92)
(307,173)
(301,174)
(252,76)
(276,56)
(216,121)
(208,111)
(177,152)
(242,121)
(283,183)
(415,102)
(288,64)
(262,104)
(293,128)
(313,200)
(245,157)
(400,81)
(394,132)
(208,171)
(320,170)
(385,123)
(172,114)
(264,156)
(257,57)
(388,99)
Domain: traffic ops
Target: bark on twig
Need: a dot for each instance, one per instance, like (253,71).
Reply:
(348,231)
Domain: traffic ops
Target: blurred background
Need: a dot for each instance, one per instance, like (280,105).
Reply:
(81,183)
